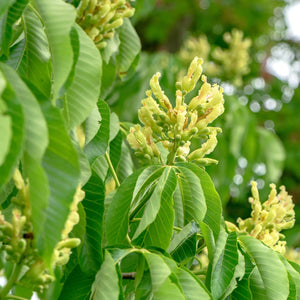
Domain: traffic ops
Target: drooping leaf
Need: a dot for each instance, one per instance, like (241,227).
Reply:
(15,111)
(192,287)
(129,48)
(294,279)
(183,244)
(242,291)
(224,266)
(272,153)
(36,140)
(194,205)
(5,128)
(58,18)
(159,232)
(5,5)
(35,65)
(273,281)
(93,203)
(117,216)
(154,203)
(106,284)
(82,94)
(77,286)
(13,13)
(61,165)
(98,145)
(213,203)
(159,270)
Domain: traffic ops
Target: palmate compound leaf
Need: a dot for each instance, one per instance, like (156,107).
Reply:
(36,140)
(58,18)
(82,94)
(269,279)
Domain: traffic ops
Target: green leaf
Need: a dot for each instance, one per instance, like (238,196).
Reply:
(147,177)
(93,204)
(194,206)
(272,153)
(4,5)
(242,291)
(224,265)
(159,270)
(35,65)
(111,47)
(6,130)
(117,216)
(159,232)
(213,203)
(106,284)
(154,203)
(15,111)
(193,288)
(12,15)
(294,279)
(273,275)
(77,286)
(129,48)
(62,168)
(36,140)
(98,145)
(183,244)
(58,18)
(82,95)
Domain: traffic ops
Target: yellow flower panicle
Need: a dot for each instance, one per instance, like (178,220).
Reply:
(268,219)
(100,18)
(18,242)
(235,60)
(174,127)
(231,64)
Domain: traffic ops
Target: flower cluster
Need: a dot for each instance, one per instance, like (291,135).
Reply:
(174,127)
(100,18)
(269,218)
(18,243)
(235,60)
(230,64)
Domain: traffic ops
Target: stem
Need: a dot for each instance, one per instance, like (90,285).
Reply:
(130,275)
(111,167)
(15,297)
(179,229)
(13,277)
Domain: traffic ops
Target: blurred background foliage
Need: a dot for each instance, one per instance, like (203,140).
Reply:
(261,137)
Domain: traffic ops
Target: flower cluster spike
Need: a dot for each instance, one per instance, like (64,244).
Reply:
(17,241)
(100,18)
(175,126)
(235,60)
(230,64)
(269,218)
